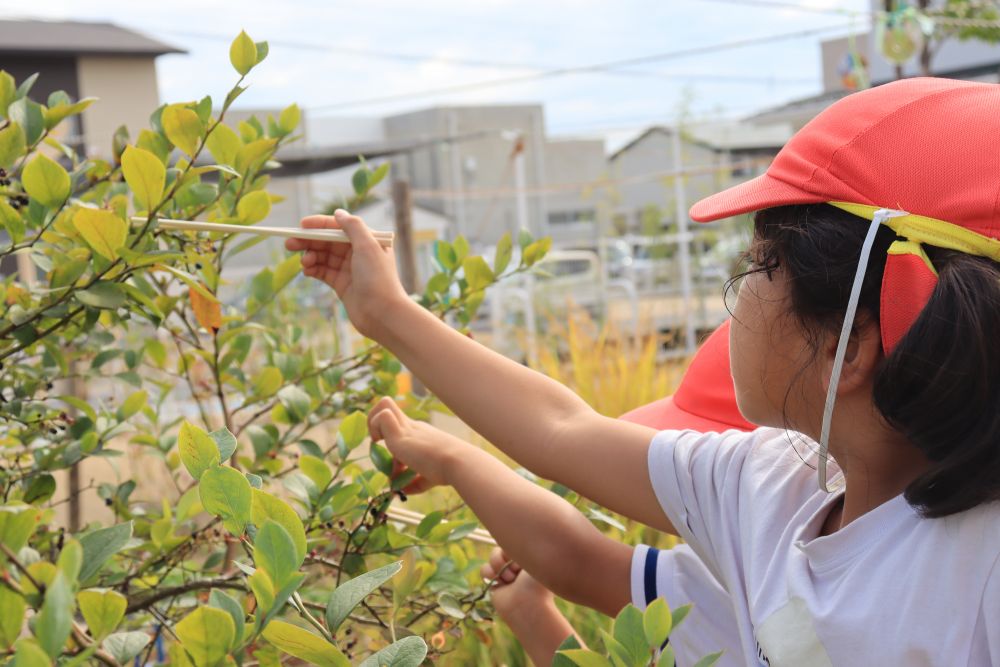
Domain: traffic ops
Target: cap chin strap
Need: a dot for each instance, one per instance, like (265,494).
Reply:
(878,218)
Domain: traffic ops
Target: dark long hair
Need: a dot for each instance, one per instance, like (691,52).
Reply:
(940,386)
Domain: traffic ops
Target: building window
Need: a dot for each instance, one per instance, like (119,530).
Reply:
(569,217)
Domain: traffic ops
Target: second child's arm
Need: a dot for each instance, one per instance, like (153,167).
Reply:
(534,419)
(545,534)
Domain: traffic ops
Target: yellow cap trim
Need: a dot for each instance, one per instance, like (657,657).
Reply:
(911,248)
(938,233)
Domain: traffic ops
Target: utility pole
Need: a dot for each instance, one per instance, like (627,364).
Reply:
(402,204)
(680,198)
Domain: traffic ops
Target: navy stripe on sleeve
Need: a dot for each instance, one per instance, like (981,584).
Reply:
(649,575)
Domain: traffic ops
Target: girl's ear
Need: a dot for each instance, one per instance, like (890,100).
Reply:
(864,352)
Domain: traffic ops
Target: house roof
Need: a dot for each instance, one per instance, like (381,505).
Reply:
(77,38)
(655,129)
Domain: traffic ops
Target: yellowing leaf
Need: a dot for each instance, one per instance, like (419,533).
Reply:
(197,449)
(253,207)
(289,118)
(224,144)
(46,181)
(103,231)
(182,127)
(226,493)
(243,53)
(285,271)
(267,381)
(267,507)
(102,609)
(208,312)
(12,145)
(207,634)
(145,174)
(304,645)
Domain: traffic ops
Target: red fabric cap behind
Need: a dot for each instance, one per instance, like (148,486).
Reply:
(706,398)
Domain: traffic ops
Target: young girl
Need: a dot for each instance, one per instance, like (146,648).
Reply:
(563,552)
(863,330)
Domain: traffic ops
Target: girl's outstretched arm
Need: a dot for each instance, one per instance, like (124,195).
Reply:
(545,534)
(537,421)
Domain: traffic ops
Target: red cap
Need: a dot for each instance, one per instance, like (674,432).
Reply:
(705,400)
(927,146)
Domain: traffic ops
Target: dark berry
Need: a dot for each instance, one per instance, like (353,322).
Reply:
(107,501)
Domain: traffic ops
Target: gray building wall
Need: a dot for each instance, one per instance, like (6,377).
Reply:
(470,179)
(574,216)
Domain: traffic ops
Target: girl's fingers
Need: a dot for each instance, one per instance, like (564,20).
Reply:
(419,485)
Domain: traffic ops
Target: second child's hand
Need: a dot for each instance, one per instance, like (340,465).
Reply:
(537,421)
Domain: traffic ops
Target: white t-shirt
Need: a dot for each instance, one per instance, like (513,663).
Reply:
(679,576)
(890,588)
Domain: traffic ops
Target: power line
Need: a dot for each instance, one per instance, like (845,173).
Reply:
(583,69)
(419,58)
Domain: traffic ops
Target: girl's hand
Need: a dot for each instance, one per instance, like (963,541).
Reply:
(416,445)
(515,592)
(362,272)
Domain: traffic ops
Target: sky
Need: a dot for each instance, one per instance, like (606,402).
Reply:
(334,58)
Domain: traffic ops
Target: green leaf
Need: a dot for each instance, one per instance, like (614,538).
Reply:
(103,294)
(461,246)
(289,118)
(267,507)
(41,489)
(29,115)
(584,658)
(378,175)
(304,645)
(100,545)
(628,630)
(382,459)
(132,405)
(360,181)
(444,253)
(267,382)
(657,623)
(229,605)
(295,401)
(315,469)
(243,53)
(503,254)
(29,654)
(225,442)
(262,50)
(285,271)
(350,593)
(450,605)
(124,646)
(559,660)
(407,652)
(46,181)
(182,127)
(227,493)
(12,221)
(353,429)
(428,522)
(617,652)
(666,657)
(8,92)
(54,621)
(12,145)
(102,609)
(207,634)
(253,207)
(709,660)
(477,273)
(12,609)
(103,230)
(145,174)
(224,144)
(275,553)
(197,449)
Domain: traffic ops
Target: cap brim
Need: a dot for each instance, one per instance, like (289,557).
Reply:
(756,194)
(664,414)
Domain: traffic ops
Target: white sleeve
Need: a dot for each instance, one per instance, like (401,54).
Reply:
(989,619)
(679,576)
(696,478)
